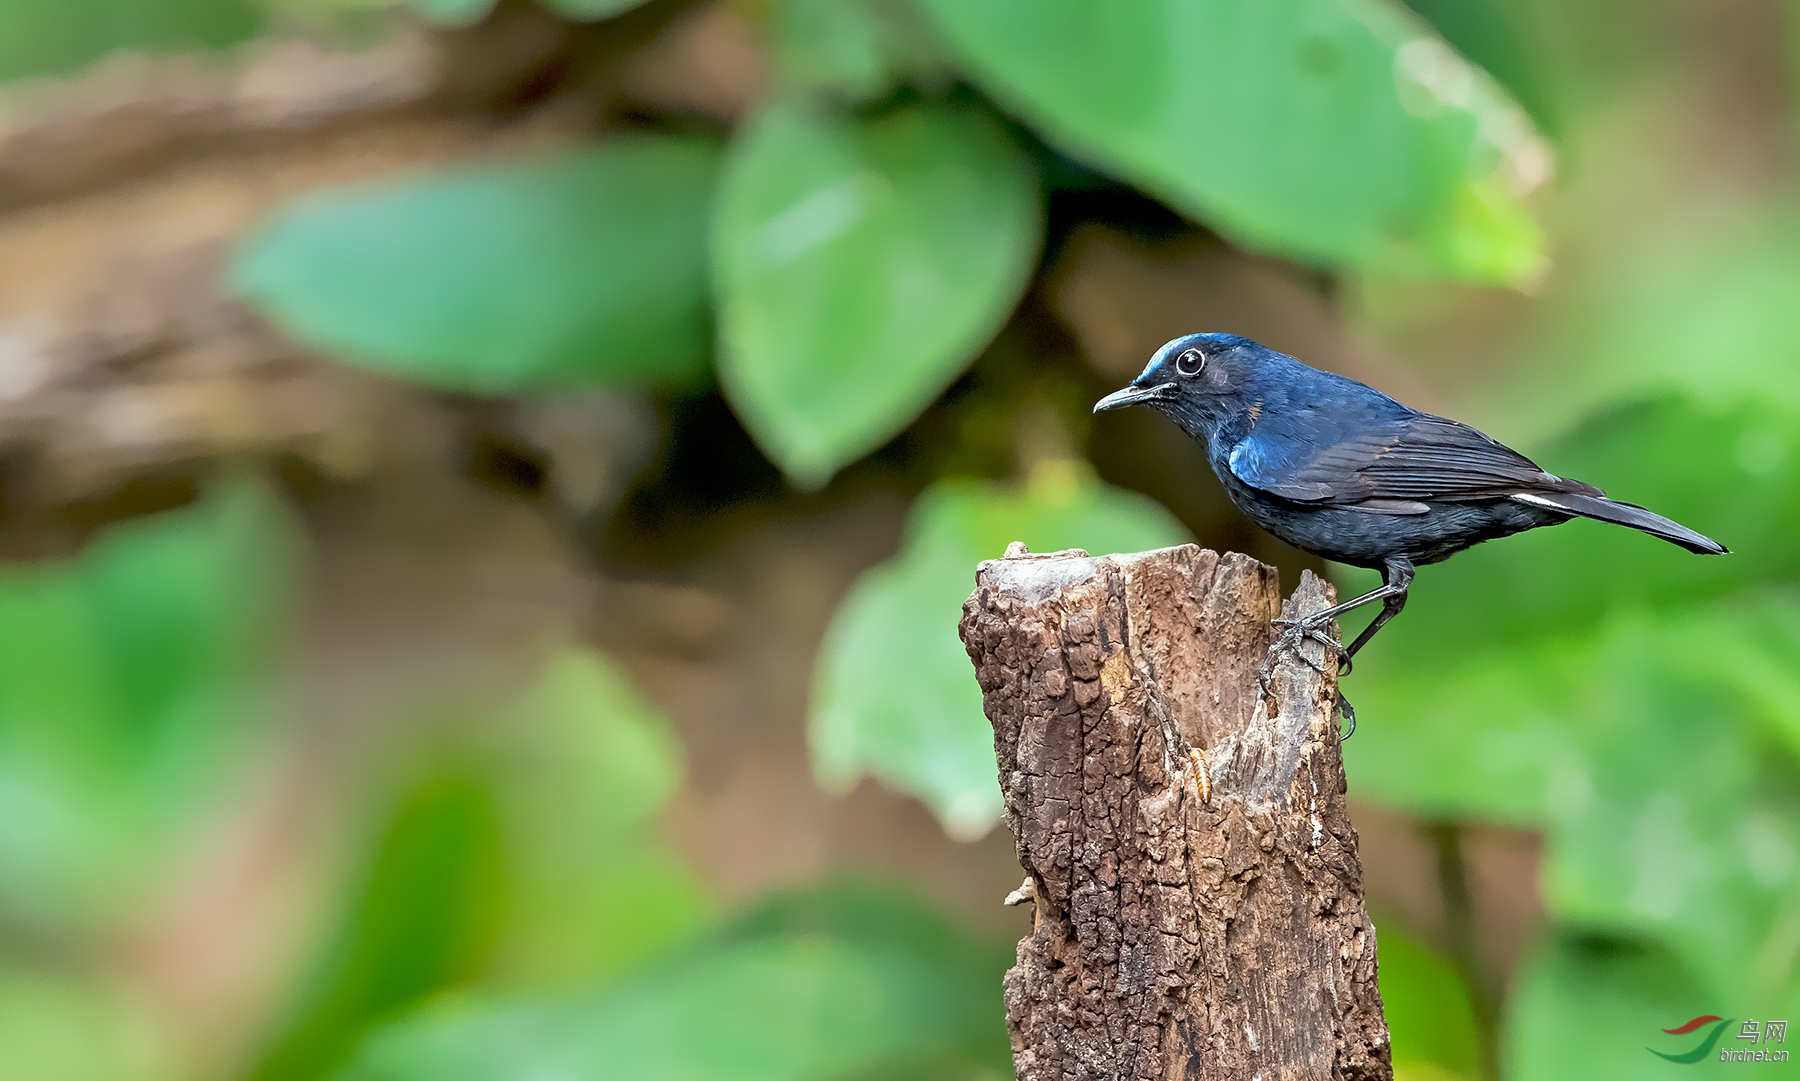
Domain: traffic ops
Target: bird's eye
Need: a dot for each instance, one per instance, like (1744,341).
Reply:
(1190,361)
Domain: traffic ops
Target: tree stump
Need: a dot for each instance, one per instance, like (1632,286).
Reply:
(1199,909)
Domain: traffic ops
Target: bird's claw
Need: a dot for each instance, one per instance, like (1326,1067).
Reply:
(1293,633)
(1296,631)
(1349,714)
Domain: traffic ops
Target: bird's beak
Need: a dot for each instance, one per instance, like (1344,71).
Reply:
(1132,395)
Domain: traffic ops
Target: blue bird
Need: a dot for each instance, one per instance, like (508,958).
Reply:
(1340,469)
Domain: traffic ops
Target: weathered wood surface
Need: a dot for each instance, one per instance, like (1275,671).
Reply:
(1199,909)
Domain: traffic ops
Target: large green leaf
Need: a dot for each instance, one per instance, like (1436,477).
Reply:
(807,992)
(130,678)
(47,37)
(1507,43)
(893,696)
(1336,131)
(861,264)
(576,267)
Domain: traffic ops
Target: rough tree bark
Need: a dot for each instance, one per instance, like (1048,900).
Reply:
(1199,909)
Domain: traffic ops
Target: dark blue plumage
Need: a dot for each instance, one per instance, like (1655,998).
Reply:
(1340,469)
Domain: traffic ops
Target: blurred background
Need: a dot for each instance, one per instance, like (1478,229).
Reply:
(488,490)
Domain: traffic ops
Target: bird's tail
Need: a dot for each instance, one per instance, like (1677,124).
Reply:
(1611,510)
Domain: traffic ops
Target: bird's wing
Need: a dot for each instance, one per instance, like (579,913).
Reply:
(1387,464)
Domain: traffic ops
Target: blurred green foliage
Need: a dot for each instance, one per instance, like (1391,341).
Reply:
(1582,1002)
(127,676)
(582,10)
(1644,718)
(1689,316)
(453,12)
(587,766)
(1499,36)
(855,262)
(63,1028)
(864,252)
(425,916)
(891,694)
(1427,1008)
(857,51)
(1330,131)
(500,277)
(470,12)
(38,38)
(810,987)
(517,856)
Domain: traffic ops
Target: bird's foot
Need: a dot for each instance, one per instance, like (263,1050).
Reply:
(1296,631)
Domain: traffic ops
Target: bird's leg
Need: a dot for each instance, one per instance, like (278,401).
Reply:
(1399,579)
(1295,631)
(1392,594)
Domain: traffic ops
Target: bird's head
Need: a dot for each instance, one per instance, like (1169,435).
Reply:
(1193,378)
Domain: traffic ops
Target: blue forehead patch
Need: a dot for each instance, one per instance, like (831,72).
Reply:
(1170,348)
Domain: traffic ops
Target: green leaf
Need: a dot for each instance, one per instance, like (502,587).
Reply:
(49,37)
(585,736)
(1333,131)
(893,695)
(576,267)
(1507,43)
(129,680)
(783,1009)
(788,1005)
(1684,825)
(861,264)
(875,916)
